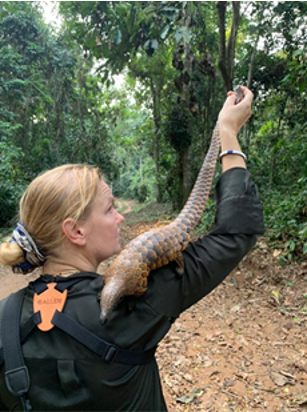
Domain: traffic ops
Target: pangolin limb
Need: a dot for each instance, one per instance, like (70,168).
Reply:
(127,274)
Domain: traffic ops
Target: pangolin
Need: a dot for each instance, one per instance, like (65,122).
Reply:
(127,274)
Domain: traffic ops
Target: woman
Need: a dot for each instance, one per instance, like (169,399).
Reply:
(69,225)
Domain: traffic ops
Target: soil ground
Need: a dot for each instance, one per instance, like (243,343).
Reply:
(243,347)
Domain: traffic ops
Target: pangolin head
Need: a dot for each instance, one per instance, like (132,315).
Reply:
(121,278)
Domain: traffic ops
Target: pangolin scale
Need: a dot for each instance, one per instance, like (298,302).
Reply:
(127,274)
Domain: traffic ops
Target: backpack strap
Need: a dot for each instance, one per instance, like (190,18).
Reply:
(25,331)
(108,352)
(40,286)
(16,372)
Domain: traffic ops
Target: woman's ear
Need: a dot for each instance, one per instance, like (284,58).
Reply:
(74,231)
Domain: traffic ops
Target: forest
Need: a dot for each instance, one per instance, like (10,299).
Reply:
(136,88)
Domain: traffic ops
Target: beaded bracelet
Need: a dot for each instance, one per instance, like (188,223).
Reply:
(235,152)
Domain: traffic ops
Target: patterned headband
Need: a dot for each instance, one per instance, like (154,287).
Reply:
(33,257)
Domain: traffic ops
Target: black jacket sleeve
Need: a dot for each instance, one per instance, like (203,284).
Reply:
(239,218)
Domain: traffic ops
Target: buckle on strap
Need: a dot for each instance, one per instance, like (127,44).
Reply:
(17,380)
(111,354)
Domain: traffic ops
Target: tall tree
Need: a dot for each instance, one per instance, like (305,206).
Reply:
(228,46)
(120,33)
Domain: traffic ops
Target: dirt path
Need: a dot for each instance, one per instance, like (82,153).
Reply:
(124,206)
(242,348)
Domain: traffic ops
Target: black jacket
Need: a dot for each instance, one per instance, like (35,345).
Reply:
(66,376)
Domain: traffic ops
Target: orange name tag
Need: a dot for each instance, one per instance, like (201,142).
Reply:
(47,303)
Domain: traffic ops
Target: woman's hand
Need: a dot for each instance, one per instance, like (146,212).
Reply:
(233,116)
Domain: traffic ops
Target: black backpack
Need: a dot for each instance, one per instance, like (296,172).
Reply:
(14,335)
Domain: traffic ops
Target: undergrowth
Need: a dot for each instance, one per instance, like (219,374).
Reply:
(286,223)
(5,232)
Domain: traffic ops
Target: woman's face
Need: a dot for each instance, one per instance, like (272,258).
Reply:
(102,226)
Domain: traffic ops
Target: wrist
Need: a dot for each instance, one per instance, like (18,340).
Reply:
(227,131)
(229,141)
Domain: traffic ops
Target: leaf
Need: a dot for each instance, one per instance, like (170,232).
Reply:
(276,253)
(170,9)
(186,399)
(302,86)
(119,37)
(186,34)
(235,308)
(302,399)
(154,44)
(122,8)
(149,9)
(147,44)
(298,52)
(282,378)
(178,35)
(291,245)
(165,31)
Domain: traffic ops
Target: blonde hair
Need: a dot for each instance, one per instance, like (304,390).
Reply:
(66,191)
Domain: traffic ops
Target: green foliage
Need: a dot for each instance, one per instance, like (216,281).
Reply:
(11,186)
(207,219)
(118,30)
(286,219)
(179,129)
(134,177)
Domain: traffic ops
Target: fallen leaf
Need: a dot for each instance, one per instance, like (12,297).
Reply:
(219,314)
(236,308)
(282,378)
(288,375)
(208,363)
(188,377)
(186,399)
(276,253)
(302,399)
(229,382)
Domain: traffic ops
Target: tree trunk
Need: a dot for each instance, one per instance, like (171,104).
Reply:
(185,163)
(185,166)
(274,142)
(24,120)
(250,76)
(155,92)
(58,133)
(227,52)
